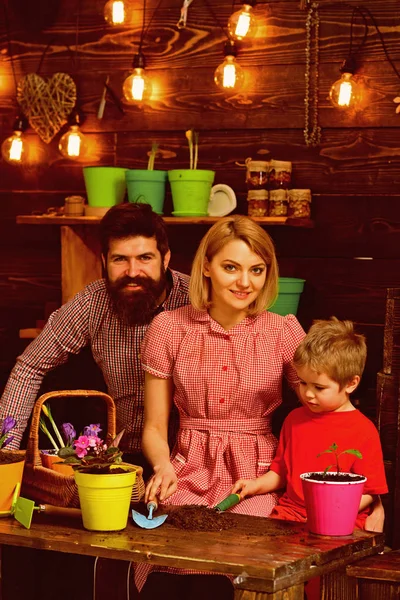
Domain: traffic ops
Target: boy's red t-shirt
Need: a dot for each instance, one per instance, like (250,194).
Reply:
(305,434)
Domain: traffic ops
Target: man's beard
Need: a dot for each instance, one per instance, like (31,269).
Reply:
(134,306)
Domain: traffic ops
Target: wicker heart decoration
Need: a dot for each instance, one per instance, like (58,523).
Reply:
(46,104)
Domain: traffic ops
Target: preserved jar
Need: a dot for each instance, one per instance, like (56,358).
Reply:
(74,206)
(280,174)
(278,203)
(257,203)
(256,174)
(299,204)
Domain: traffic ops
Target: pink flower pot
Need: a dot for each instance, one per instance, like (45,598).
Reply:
(331,506)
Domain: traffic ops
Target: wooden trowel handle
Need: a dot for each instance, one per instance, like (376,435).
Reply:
(60,511)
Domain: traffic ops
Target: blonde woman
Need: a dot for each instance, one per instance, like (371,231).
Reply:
(221,362)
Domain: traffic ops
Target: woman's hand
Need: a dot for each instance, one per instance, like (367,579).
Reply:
(163,481)
(246,487)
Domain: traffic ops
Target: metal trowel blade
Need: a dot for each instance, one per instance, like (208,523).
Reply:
(146,523)
(23,511)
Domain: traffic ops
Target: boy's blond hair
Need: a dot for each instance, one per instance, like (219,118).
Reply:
(334,348)
(234,227)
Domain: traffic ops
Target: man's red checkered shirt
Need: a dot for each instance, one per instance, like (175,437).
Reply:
(89,319)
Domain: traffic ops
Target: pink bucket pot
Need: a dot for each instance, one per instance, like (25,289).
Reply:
(332,507)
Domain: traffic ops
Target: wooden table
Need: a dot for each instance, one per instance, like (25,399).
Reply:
(270,559)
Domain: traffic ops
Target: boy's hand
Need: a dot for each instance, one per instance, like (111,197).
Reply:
(246,487)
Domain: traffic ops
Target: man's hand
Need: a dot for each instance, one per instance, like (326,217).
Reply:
(163,483)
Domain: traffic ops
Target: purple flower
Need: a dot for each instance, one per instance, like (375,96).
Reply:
(8,441)
(69,432)
(8,424)
(92,430)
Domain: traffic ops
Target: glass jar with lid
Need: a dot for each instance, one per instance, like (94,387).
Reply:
(278,203)
(257,203)
(280,174)
(257,174)
(299,204)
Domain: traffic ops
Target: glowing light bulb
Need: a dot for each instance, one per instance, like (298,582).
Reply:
(115,12)
(242,23)
(73,144)
(137,87)
(13,148)
(229,75)
(344,93)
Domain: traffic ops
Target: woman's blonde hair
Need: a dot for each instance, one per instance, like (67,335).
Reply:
(227,229)
(334,348)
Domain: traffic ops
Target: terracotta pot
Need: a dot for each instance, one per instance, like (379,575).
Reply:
(50,459)
(11,470)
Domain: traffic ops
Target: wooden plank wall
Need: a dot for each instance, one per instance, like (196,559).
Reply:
(353,174)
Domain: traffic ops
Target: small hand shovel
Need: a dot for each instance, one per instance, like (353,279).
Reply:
(22,509)
(148,522)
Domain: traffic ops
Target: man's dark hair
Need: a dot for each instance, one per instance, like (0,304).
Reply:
(129,220)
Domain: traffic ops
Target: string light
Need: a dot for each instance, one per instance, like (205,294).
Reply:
(229,75)
(137,87)
(115,12)
(242,23)
(13,149)
(73,144)
(344,93)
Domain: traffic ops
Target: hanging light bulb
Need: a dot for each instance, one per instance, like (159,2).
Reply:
(73,144)
(229,75)
(344,93)
(115,12)
(137,87)
(13,149)
(242,23)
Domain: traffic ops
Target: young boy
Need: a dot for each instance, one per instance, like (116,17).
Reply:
(329,363)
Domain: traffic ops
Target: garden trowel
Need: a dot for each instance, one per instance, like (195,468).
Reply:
(22,509)
(148,522)
(228,502)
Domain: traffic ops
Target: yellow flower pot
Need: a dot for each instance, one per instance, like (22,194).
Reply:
(11,469)
(105,498)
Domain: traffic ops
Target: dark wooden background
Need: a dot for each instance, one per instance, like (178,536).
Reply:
(353,174)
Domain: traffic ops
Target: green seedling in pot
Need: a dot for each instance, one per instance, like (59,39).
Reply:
(333,449)
(192,137)
(152,156)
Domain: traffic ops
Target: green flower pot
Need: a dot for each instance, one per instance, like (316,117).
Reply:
(105,186)
(105,498)
(288,298)
(147,186)
(190,189)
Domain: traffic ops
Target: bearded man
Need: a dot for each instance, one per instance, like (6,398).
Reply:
(110,315)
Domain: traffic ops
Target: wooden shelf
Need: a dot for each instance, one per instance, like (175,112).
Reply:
(63,220)
(80,245)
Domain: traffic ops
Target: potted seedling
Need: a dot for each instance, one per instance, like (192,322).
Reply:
(191,187)
(332,498)
(148,185)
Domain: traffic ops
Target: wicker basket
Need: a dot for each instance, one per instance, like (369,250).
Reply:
(50,487)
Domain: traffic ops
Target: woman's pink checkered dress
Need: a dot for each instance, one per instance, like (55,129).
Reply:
(227,385)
